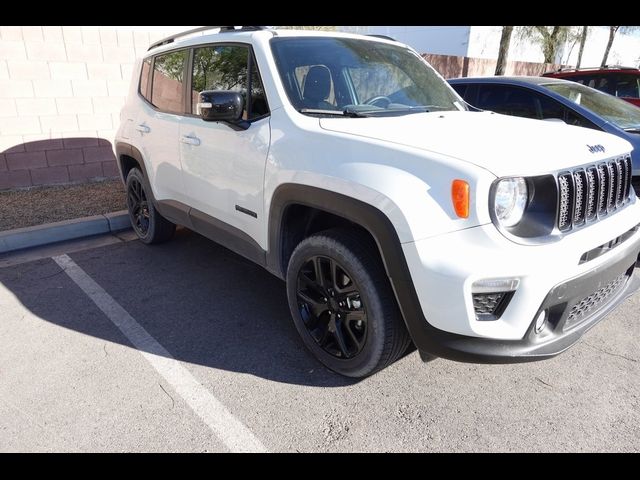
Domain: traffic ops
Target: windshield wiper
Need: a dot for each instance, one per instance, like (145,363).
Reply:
(340,113)
(632,130)
(389,112)
(355,112)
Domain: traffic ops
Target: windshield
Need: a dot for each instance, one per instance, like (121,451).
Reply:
(358,77)
(622,114)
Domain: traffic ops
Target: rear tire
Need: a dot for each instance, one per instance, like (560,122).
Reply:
(342,303)
(149,225)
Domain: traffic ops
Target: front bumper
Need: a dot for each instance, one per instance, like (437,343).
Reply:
(559,332)
(553,278)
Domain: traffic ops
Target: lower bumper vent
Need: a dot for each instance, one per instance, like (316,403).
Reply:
(590,304)
(490,306)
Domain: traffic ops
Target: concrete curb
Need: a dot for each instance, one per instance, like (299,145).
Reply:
(39,235)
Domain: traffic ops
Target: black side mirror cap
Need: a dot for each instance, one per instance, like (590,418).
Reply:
(222,106)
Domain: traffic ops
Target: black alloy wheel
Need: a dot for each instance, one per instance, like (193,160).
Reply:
(138,207)
(331,307)
(342,303)
(149,225)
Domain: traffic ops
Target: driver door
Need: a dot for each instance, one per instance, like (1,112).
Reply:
(223,167)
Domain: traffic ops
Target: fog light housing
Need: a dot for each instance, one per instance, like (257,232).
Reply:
(491,296)
(541,321)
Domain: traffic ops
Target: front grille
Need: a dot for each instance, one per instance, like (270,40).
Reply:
(592,194)
(588,194)
(593,302)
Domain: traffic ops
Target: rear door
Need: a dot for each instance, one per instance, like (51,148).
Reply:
(157,126)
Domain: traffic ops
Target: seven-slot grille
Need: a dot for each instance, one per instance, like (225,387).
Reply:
(588,194)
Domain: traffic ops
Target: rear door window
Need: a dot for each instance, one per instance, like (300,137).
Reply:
(168,82)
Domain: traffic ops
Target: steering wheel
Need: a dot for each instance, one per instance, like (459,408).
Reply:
(377,99)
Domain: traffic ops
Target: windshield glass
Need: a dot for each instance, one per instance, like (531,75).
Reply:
(622,114)
(358,76)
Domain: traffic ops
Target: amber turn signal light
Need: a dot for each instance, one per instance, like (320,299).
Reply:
(460,197)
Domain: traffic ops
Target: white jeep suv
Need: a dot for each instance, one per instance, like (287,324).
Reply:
(348,167)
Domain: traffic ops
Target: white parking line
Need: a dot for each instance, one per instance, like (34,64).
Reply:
(231,431)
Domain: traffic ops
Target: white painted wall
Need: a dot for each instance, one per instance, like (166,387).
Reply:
(483,42)
(442,40)
(625,50)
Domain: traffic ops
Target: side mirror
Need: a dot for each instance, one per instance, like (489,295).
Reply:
(222,106)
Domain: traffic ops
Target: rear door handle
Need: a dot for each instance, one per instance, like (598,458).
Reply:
(190,140)
(143,128)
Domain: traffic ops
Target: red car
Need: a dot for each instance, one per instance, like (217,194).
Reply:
(623,82)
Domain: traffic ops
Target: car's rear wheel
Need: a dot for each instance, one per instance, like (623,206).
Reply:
(342,304)
(149,225)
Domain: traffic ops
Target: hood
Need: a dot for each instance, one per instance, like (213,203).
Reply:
(502,144)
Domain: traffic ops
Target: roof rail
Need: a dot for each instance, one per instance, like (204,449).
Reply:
(620,67)
(225,28)
(582,69)
(384,37)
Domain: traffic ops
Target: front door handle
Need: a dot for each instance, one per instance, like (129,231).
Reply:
(190,140)
(143,128)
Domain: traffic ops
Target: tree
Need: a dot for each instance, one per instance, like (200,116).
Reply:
(612,35)
(583,40)
(552,38)
(549,38)
(503,51)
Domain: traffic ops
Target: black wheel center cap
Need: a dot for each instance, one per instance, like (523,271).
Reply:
(333,304)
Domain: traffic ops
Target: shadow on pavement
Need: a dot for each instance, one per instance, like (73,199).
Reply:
(204,304)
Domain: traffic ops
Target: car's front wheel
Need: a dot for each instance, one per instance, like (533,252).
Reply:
(149,225)
(342,303)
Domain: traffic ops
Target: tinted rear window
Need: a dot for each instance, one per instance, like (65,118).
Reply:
(168,79)
(144,78)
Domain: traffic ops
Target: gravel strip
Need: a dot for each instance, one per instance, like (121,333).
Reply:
(39,205)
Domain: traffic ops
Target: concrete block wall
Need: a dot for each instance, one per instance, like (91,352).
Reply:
(61,91)
(451,66)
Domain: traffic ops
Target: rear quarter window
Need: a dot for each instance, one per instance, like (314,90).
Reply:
(144,79)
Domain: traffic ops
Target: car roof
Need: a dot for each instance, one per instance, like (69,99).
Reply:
(589,70)
(197,37)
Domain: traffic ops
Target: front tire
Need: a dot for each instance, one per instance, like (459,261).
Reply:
(149,225)
(342,303)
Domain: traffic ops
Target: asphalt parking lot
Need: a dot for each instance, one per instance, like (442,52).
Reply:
(206,359)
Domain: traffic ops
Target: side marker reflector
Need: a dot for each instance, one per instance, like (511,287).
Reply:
(460,198)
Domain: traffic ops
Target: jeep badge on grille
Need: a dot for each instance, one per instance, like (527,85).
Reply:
(595,148)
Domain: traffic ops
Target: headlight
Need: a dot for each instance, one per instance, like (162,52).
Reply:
(510,200)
